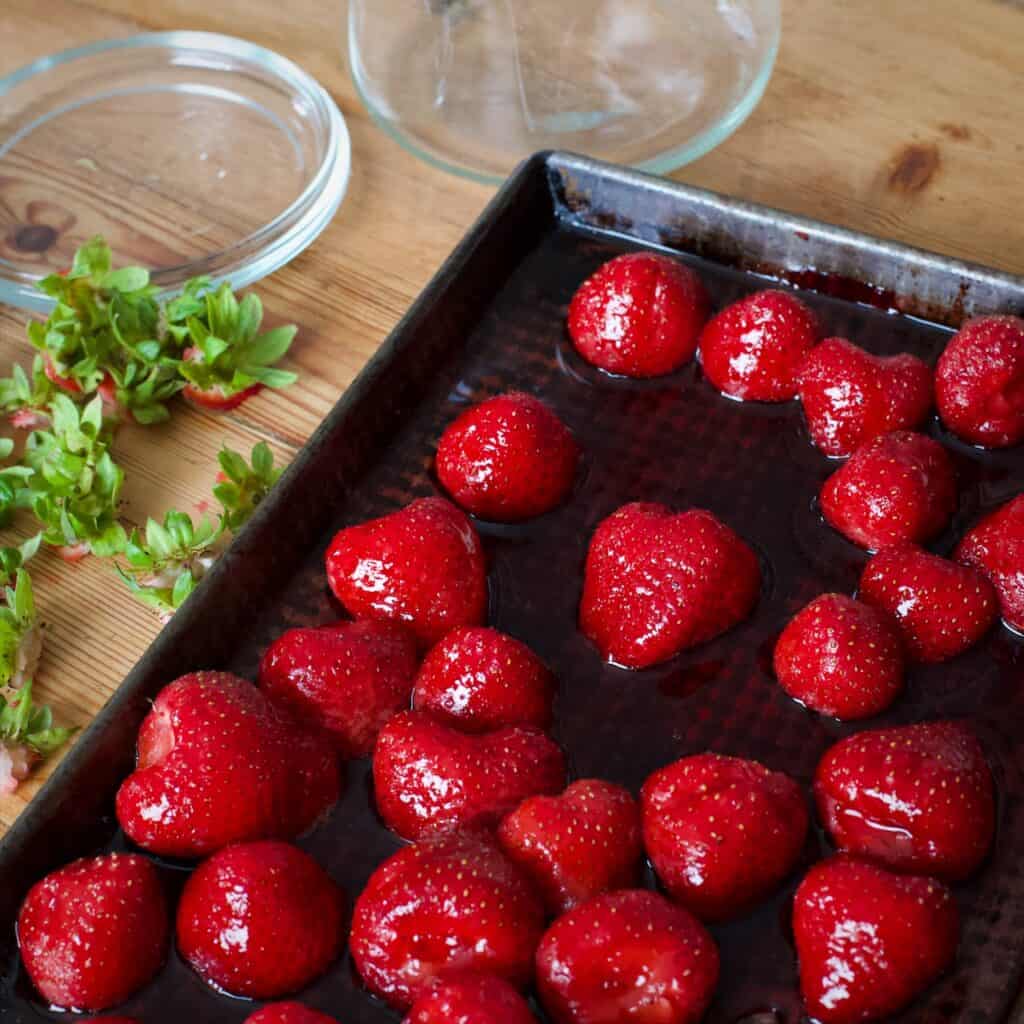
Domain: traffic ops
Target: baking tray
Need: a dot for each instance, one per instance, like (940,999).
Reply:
(491,320)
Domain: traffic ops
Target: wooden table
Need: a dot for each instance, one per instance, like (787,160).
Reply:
(903,120)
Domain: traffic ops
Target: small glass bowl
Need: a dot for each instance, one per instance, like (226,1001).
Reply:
(190,152)
(476,85)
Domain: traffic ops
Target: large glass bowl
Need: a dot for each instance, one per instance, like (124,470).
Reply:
(476,85)
(191,153)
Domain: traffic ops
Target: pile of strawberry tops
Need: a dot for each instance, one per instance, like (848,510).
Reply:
(510,881)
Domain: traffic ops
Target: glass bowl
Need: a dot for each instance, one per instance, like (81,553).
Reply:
(191,153)
(476,85)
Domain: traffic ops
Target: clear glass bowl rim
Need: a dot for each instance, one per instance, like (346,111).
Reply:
(270,246)
(663,163)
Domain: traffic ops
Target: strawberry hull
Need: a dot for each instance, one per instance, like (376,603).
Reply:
(495,322)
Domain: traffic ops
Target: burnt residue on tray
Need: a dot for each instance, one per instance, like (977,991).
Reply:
(672,440)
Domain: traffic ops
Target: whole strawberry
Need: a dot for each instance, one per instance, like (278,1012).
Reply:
(639,315)
(508,458)
(658,582)
(850,396)
(429,778)
(869,941)
(464,997)
(841,657)
(722,832)
(288,1013)
(578,844)
(444,904)
(77,923)
(217,763)
(422,565)
(627,956)
(942,608)
(477,679)
(978,386)
(899,487)
(917,798)
(348,678)
(995,547)
(260,919)
(753,349)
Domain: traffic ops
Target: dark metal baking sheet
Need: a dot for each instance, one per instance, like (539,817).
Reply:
(491,320)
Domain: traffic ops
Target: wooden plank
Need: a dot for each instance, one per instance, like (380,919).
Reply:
(900,120)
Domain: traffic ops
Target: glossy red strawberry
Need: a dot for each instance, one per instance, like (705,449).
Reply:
(465,997)
(217,763)
(850,396)
(430,778)
(449,904)
(627,956)
(422,565)
(841,657)
(942,608)
(288,1013)
(916,798)
(753,349)
(260,919)
(508,458)
(722,832)
(995,547)
(76,924)
(979,382)
(478,679)
(898,487)
(348,678)
(578,844)
(868,940)
(658,582)
(639,315)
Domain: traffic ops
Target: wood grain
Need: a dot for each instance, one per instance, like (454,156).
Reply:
(903,120)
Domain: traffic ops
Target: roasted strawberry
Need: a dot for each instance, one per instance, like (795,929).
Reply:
(348,678)
(942,608)
(478,679)
(898,487)
(917,798)
(658,582)
(260,919)
(995,547)
(850,396)
(639,315)
(453,903)
(464,997)
(841,657)
(869,941)
(753,349)
(578,844)
(430,778)
(979,382)
(508,458)
(217,763)
(722,832)
(422,565)
(288,1013)
(76,925)
(627,955)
